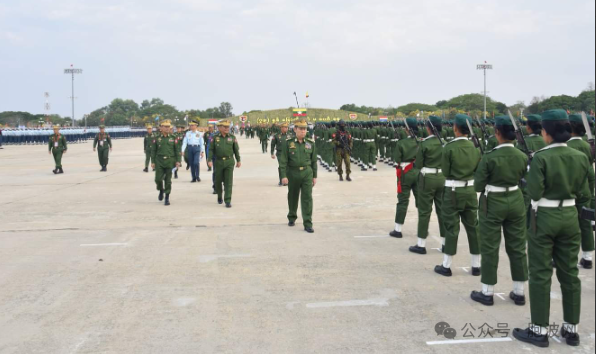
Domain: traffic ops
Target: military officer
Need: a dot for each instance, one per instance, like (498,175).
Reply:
(165,155)
(298,164)
(558,177)
(57,146)
(103,145)
(404,155)
(344,145)
(224,147)
(277,144)
(460,160)
(147,141)
(431,183)
(193,144)
(502,207)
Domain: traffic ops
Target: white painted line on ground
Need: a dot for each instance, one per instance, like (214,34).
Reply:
(371,236)
(438,250)
(471,341)
(104,245)
(556,339)
(211,258)
(351,303)
(467,270)
(501,296)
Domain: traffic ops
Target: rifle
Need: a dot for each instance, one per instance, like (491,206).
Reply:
(475,138)
(436,132)
(589,133)
(483,128)
(412,133)
(588,214)
(521,140)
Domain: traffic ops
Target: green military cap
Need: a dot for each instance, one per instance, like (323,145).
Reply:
(462,119)
(57,126)
(284,125)
(576,118)
(555,115)
(435,120)
(503,120)
(149,126)
(166,123)
(534,118)
(412,122)
(302,123)
(223,123)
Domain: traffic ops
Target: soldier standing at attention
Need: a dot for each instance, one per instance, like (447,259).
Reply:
(558,177)
(407,175)
(344,144)
(502,208)
(460,202)
(431,183)
(298,164)
(165,155)
(57,145)
(224,147)
(193,144)
(277,144)
(105,146)
(147,142)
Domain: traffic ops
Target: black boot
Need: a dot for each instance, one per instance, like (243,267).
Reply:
(396,234)
(228,205)
(528,336)
(310,230)
(187,167)
(418,250)
(220,201)
(167,200)
(572,339)
(160,196)
(485,300)
(476,272)
(586,264)
(348,178)
(146,170)
(60,170)
(176,174)
(105,168)
(446,272)
(55,171)
(341,178)
(519,300)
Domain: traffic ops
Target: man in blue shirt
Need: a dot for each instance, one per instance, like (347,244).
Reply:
(193,140)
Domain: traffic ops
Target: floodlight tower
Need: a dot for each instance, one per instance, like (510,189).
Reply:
(484,67)
(72,71)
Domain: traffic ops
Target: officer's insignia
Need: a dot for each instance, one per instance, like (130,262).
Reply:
(230,140)
(171,141)
(197,135)
(292,145)
(308,146)
(159,140)
(153,141)
(217,140)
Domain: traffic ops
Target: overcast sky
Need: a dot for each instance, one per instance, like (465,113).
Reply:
(256,53)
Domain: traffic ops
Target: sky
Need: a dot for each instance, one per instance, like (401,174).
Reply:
(255,54)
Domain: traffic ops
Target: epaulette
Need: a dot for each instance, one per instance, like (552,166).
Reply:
(309,140)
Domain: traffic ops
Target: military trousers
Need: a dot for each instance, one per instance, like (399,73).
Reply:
(264,144)
(430,190)
(224,179)
(147,159)
(503,211)
(104,156)
(278,162)
(460,204)
(57,157)
(342,156)
(370,154)
(163,173)
(409,186)
(586,228)
(300,189)
(555,236)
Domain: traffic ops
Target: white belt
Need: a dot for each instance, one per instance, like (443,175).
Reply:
(330,140)
(430,171)
(405,164)
(547,203)
(369,141)
(495,189)
(459,184)
(394,139)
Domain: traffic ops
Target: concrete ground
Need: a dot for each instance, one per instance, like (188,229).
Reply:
(91,262)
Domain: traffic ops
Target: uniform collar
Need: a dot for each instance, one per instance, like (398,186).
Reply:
(552,146)
(576,138)
(429,137)
(504,145)
(457,139)
(533,135)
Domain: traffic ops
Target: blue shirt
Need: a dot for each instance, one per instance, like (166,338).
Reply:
(193,138)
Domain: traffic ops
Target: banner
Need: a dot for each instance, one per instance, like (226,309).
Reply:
(353,116)
(243,119)
(300,112)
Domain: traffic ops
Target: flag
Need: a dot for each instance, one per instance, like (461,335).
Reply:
(300,112)
(212,121)
(307,95)
(156,118)
(384,119)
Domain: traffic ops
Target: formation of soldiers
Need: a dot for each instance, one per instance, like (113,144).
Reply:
(41,136)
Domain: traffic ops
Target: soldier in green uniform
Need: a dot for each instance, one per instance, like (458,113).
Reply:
(165,155)
(576,142)
(535,143)
(147,141)
(558,177)
(179,135)
(277,144)
(343,148)
(502,208)
(224,147)
(298,164)
(460,160)
(57,146)
(431,183)
(407,175)
(264,137)
(103,145)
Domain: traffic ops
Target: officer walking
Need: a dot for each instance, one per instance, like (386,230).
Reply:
(558,177)
(147,142)
(193,145)
(57,146)
(165,155)
(277,144)
(224,147)
(104,142)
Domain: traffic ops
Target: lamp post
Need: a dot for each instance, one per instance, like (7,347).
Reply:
(484,67)
(72,71)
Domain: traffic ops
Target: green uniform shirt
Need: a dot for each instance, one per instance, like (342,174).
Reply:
(57,142)
(165,147)
(430,153)
(406,150)
(224,147)
(503,166)
(105,138)
(535,142)
(147,143)
(278,141)
(295,154)
(460,160)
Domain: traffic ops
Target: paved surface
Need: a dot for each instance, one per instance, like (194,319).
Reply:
(91,262)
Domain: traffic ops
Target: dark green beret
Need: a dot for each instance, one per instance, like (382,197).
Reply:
(576,118)
(534,118)
(555,115)
(503,120)
(462,119)
(435,120)
(412,122)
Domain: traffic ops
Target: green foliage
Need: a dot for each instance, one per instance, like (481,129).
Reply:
(586,102)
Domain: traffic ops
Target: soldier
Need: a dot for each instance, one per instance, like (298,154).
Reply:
(298,164)
(264,137)
(577,143)
(502,207)
(147,141)
(343,143)
(165,155)
(193,144)
(57,146)
(224,147)
(208,137)
(431,183)
(558,177)
(535,142)
(404,155)
(179,135)
(370,148)
(277,144)
(105,147)
(460,160)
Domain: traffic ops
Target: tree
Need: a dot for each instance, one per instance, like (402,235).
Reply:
(225,108)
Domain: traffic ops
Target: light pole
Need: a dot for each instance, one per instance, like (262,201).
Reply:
(484,67)
(72,71)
